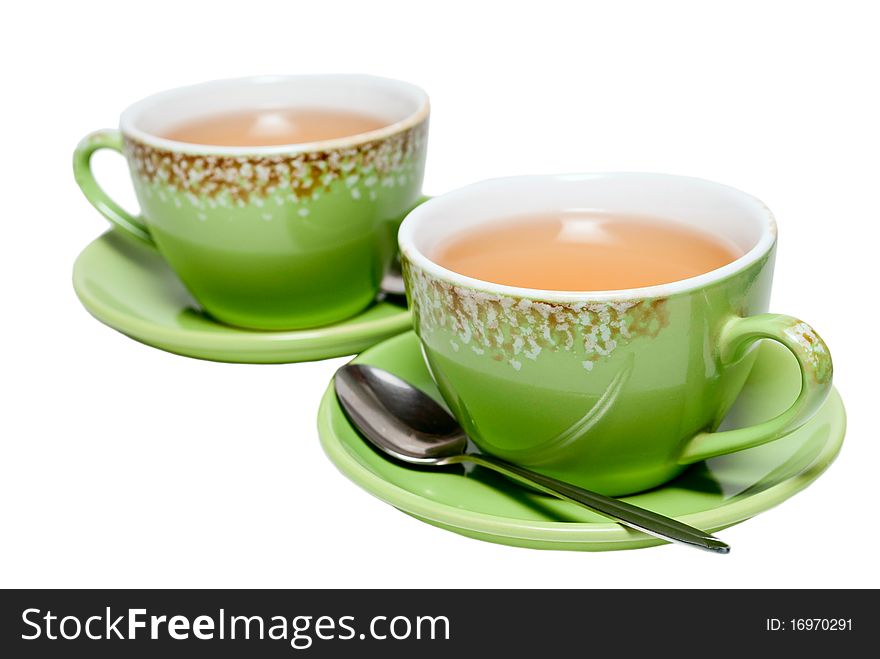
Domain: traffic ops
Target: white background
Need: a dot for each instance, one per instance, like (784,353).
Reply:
(126,466)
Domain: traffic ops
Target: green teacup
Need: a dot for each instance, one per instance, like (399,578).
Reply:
(615,391)
(271,237)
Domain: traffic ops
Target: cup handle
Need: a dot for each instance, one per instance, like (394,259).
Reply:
(82,172)
(816,371)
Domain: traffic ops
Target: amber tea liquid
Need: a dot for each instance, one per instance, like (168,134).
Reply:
(584,251)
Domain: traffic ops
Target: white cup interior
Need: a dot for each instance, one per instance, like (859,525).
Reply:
(728,213)
(398,103)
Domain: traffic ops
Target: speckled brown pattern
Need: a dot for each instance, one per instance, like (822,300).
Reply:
(384,162)
(817,358)
(516,329)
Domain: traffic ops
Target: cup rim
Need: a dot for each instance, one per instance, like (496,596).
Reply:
(129,129)
(418,216)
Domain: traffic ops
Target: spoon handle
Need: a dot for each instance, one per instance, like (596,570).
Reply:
(627,514)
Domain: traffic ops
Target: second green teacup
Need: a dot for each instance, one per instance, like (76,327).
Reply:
(271,237)
(615,391)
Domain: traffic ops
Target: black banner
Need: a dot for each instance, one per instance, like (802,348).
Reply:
(332,623)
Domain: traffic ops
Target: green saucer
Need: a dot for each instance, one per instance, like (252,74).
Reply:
(710,495)
(126,285)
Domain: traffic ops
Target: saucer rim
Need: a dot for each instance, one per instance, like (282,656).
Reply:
(556,533)
(240,345)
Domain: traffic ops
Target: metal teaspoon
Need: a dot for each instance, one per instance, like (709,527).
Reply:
(407,424)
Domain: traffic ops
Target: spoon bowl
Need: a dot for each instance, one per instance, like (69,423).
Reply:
(396,417)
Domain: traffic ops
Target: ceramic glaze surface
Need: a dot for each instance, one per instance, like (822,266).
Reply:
(305,249)
(710,495)
(272,237)
(601,394)
(127,285)
(615,391)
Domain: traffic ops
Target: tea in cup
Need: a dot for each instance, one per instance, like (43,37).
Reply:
(596,328)
(276,199)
